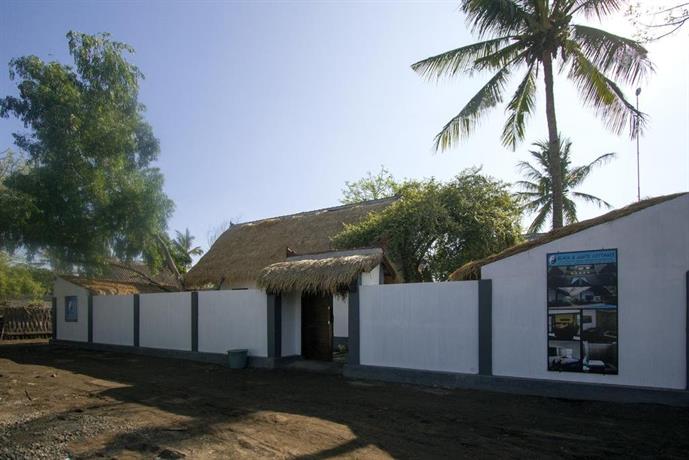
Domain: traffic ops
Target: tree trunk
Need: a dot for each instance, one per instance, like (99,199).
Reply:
(553,141)
(170,262)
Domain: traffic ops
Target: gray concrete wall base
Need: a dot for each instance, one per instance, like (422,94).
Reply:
(534,387)
(214,358)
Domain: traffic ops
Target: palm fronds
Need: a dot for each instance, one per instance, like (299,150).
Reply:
(604,96)
(504,17)
(520,31)
(465,121)
(520,108)
(622,58)
(541,216)
(580,173)
(598,8)
(458,60)
(536,191)
(593,200)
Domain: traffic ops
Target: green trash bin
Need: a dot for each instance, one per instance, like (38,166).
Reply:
(237,358)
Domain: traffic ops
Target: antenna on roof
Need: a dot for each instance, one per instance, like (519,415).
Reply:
(636,133)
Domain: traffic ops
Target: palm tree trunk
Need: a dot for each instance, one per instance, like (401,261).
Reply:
(170,262)
(553,141)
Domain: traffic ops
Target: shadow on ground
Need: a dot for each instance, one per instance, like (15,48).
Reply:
(207,409)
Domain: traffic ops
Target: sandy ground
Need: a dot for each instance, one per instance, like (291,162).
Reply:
(60,403)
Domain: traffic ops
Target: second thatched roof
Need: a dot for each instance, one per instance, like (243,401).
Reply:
(244,250)
(326,273)
(110,287)
(125,278)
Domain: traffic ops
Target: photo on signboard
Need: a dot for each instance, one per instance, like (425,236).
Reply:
(564,355)
(564,325)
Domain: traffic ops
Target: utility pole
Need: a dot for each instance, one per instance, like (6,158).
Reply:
(638,164)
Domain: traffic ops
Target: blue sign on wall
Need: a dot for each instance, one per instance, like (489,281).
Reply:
(606,256)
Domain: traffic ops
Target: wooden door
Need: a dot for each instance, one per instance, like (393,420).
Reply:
(317,327)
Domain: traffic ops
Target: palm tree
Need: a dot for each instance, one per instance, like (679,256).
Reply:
(537,192)
(184,249)
(537,35)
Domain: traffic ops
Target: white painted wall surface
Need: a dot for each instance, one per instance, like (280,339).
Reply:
(291,324)
(113,319)
(653,257)
(341,315)
(428,326)
(231,320)
(79,330)
(165,320)
(371,278)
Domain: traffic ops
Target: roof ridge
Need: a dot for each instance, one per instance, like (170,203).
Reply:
(318,211)
(335,253)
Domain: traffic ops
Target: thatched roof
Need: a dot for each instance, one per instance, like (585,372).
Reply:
(245,249)
(133,272)
(120,278)
(109,287)
(472,270)
(325,273)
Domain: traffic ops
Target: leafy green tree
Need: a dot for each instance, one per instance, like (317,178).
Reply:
(537,190)
(371,187)
(22,280)
(90,192)
(434,227)
(10,164)
(539,36)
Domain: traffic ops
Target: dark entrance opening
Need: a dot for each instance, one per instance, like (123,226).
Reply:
(317,327)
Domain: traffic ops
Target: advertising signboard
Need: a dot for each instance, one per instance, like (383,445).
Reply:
(582,311)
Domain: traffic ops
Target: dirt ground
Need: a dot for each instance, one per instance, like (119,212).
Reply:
(61,403)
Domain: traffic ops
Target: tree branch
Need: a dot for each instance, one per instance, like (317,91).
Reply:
(141,274)
(170,262)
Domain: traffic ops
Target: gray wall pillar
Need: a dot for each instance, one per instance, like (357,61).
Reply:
(274,326)
(353,342)
(485,327)
(90,318)
(194,321)
(686,336)
(53,318)
(136,320)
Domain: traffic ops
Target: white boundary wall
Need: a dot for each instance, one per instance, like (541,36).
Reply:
(341,303)
(233,319)
(165,320)
(113,319)
(341,315)
(291,324)
(652,258)
(77,331)
(427,326)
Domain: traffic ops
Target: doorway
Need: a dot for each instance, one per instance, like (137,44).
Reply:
(317,327)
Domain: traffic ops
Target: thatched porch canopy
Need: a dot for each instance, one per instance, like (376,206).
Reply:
(325,273)
(245,249)
(472,270)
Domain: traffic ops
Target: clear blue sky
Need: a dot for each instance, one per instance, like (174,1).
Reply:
(265,108)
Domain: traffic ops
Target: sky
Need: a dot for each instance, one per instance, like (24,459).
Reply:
(267,108)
